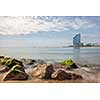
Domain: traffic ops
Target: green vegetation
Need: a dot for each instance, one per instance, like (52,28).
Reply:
(17,68)
(69,64)
(3,60)
(10,62)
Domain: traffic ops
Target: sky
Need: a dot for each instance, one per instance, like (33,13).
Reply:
(39,31)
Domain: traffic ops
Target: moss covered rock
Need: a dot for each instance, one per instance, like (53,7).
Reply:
(3,60)
(17,68)
(69,64)
(17,62)
(17,72)
(10,62)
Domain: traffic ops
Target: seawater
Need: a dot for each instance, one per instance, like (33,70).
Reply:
(86,55)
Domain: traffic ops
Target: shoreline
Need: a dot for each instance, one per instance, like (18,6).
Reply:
(92,76)
(90,73)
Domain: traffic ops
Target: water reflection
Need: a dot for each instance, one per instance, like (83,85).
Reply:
(76,53)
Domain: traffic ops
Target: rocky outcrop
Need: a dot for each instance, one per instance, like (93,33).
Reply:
(10,62)
(14,68)
(69,64)
(7,63)
(17,72)
(62,74)
(28,61)
(3,68)
(66,70)
(32,61)
(39,61)
(43,71)
(1,57)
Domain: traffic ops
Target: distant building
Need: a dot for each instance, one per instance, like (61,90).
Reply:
(77,40)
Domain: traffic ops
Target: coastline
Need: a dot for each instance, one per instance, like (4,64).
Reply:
(91,74)
(13,70)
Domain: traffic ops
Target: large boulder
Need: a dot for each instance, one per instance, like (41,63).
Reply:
(17,72)
(43,71)
(69,64)
(62,74)
(10,62)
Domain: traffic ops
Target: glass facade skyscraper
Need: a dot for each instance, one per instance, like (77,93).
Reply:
(77,40)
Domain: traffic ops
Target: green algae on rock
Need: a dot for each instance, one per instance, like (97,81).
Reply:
(17,72)
(10,62)
(69,64)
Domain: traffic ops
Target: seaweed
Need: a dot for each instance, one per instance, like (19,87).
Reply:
(69,63)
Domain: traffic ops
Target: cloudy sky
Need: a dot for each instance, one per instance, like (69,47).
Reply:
(47,30)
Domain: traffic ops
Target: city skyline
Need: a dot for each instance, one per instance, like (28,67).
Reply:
(48,30)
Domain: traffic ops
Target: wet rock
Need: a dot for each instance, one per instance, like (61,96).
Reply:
(17,62)
(10,62)
(43,71)
(3,60)
(69,64)
(1,57)
(32,61)
(39,61)
(4,69)
(62,74)
(17,72)
(28,61)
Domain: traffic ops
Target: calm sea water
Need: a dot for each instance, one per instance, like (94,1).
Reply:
(82,55)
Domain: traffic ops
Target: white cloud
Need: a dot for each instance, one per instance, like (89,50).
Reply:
(26,25)
(89,38)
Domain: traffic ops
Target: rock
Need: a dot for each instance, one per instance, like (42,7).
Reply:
(4,69)
(32,61)
(39,61)
(69,64)
(17,62)
(3,61)
(43,71)
(17,72)
(10,62)
(28,61)
(1,57)
(62,74)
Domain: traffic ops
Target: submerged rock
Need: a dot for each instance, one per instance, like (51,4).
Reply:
(43,71)
(1,57)
(62,74)
(69,64)
(32,61)
(17,72)
(39,61)
(28,61)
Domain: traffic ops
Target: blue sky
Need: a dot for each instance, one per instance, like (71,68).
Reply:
(47,30)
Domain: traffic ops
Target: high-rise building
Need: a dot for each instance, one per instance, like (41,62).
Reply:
(77,40)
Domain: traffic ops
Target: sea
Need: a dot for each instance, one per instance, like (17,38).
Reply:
(83,55)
